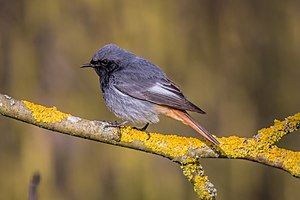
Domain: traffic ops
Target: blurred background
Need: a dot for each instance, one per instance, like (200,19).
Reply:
(238,61)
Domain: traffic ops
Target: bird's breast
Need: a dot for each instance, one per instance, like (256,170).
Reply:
(129,108)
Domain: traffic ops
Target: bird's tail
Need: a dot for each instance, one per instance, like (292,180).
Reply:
(188,120)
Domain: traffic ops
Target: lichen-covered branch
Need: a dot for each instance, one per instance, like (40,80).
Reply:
(261,147)
(185,151)
(195,174)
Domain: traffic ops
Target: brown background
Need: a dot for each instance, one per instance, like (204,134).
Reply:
(239,61)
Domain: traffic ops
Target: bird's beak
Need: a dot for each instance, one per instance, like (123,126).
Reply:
(87,65)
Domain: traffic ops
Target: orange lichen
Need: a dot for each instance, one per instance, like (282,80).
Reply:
(43,114)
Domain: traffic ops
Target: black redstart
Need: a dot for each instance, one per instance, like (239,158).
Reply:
(138,91)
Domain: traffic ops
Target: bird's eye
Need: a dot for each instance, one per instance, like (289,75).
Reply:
(104,62)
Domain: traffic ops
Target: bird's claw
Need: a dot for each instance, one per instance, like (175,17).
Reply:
(144,129)
(118,127)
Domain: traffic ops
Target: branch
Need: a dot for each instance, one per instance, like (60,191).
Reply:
(185,151)
(34,183)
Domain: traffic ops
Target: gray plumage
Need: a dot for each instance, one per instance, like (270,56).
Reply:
(126,75)
(138,91)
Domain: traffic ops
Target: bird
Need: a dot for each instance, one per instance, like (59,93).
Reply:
(138,91)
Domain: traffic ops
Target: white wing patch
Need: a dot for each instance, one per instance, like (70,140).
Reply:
(119,92)
(160,89)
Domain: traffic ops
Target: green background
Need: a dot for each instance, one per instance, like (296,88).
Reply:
(237,60)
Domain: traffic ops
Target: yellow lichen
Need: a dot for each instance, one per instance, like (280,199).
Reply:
(290,159)
(129,134)
(188,171)
(259,147)
(43,114)
(202,186)
(279,129)
(260,144)
(167,144)
(172,145)
(233,146)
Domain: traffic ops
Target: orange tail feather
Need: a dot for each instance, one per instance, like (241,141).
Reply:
(185,118)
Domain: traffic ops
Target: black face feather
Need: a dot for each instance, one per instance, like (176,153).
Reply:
(104,68)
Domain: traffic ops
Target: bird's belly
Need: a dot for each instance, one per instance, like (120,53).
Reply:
(129,108)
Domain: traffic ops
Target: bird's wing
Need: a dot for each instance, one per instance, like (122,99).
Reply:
(160,91)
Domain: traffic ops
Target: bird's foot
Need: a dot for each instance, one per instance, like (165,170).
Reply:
(118,127)
(144,129)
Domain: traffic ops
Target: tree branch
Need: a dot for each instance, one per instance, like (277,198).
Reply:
(34,183)
(185,151)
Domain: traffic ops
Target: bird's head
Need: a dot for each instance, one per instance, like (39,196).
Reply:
(107,59)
